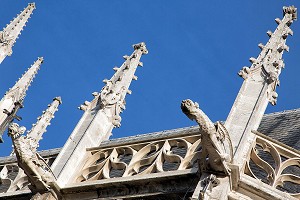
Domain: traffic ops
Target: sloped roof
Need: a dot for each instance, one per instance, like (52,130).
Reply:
(283,127)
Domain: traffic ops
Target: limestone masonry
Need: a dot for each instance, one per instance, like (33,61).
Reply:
(240,158)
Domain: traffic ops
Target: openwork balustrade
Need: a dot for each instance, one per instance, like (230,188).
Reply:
(275,164)
(142,158)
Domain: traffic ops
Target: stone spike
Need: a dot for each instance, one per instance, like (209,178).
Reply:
(290,32)
(117,87)
(134,78)
(10,33)
(13,99)
(129,92)
(102,115)
(39,128)
(283,47)
(269,33)
(261,46)
(125,57)
(278,38)
(25,81)
(95,94)
(259,88)
(140,64)
(278,21)
(252,60)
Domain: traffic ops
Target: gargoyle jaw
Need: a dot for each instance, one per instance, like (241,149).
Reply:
(188,107)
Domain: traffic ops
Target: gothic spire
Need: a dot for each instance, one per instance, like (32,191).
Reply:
(115,90)
(13,99)
(270,59)
(24,82)
(258,88)
(101,115)
(39,128)
(11,32)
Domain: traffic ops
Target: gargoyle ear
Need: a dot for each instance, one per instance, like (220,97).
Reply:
(197,105)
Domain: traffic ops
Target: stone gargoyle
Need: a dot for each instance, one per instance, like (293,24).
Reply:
(34,166)
(217,151)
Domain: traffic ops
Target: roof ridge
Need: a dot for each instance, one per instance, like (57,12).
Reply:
(153,133)
(282,112)
(189,127)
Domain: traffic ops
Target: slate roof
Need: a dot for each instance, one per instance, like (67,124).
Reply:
(283,127)
(192,130)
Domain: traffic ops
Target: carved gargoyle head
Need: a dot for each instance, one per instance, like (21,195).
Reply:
(189,108)
(14,130)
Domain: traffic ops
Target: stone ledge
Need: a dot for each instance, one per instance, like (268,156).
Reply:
(253,186)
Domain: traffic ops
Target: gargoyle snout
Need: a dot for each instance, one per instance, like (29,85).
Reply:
(188,107)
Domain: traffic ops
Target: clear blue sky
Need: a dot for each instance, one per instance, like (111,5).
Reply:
(195,49)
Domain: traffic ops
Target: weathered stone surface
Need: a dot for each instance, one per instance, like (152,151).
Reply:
(258,88)
(13,99)
(11,32)
(100,117)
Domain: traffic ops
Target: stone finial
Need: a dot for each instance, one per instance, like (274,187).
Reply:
(11,32)
(13,99)
(270,59)
(141,46)
(25,81)
(113,93)
(100,116)
(290,10)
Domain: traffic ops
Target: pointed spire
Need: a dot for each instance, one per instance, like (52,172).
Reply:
(39,128)
(258,88)
(13,99)
(115,90)
(270,58)
(24,82)
(101,115)
(11,32)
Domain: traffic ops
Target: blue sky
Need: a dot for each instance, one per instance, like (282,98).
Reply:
(195,49)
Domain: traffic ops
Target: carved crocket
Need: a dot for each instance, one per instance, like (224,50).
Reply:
(217,149)
(34,166)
